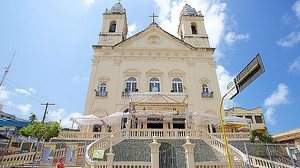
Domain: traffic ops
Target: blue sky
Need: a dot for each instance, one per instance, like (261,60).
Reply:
(52,41)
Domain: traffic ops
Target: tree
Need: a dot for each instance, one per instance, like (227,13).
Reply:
(44,131)
(32,118)
(264,137)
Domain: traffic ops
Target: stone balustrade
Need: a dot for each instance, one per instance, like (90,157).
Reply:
(233,136)
(103,143)
(217,164)
(18,159)
(264,163)
(80,135)
(132,164)
(149,133)
(163,134)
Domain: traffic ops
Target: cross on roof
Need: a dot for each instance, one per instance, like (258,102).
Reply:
(153,16)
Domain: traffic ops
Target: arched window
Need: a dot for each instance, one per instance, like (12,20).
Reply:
(177,85)
(102,88)
(204,88)
(154,85)
(131,85)
(194,28)
(112,27)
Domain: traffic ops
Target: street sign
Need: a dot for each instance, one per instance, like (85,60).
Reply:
(232,90)
(252,71)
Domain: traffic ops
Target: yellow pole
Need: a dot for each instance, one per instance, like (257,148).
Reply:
(224,133)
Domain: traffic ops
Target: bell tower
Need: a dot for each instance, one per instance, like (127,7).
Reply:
(191,27)
(114,26)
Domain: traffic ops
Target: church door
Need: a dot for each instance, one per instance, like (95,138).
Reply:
(167,156)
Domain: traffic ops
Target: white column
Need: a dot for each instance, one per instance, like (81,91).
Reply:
(154,153)
(189,153)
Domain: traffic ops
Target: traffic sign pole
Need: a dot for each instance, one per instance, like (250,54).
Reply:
(224,133)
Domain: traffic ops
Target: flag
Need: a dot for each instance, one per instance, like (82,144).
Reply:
(98,153)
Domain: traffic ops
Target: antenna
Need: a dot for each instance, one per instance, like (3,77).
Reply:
(6,69)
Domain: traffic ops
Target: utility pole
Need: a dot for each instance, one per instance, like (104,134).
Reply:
(46,108)
(43,120)
(7,69)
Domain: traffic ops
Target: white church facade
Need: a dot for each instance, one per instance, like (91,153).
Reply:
(153,100)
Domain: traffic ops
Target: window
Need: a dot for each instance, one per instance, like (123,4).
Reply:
(204,88)
(112,27)
(101,90)
(194,28)
(177,85)
(154,85)
(258,119)
(131,85)
(249,117)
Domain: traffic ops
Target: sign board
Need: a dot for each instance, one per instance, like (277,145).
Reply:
(232,90)
(252,71)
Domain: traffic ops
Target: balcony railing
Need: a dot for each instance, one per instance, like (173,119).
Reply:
(207,94)
(126,93)
(101,94)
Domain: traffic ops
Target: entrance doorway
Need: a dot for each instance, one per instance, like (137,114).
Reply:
(155,123)
(167,156)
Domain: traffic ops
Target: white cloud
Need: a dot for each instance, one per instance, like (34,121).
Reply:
(89,2)
(269,115)
(63,117)
(26,92)
(213,11)
(278,97)
(295,66)
(224,77)
(232,37)
(131,29)
(24,108)
(296,8)
(80,78)
(290,40)
(4,94)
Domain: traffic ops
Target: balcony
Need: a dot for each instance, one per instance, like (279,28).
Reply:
(101,94)
(126,93)
(207,94)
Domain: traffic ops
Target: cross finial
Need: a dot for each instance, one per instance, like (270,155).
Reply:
(153,16)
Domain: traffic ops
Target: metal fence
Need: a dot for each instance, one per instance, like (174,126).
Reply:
(283,153)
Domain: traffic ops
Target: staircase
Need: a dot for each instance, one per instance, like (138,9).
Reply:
(209,151)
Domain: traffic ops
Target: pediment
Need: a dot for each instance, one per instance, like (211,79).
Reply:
(154,37)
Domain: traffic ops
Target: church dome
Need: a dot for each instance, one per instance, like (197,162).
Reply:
(117,8)
(188,11)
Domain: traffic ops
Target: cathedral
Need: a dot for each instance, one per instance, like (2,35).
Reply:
(153,101)
(160,79)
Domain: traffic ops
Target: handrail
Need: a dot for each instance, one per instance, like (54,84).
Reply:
(218,144)
(80,135)
(162,134)
(265,163)
(104,143)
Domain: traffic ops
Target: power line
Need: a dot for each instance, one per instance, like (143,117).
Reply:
(22,87)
